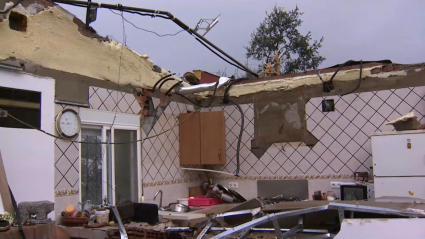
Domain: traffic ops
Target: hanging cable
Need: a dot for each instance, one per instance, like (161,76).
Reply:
(163,14)
(205,45)
(142,29)
(163,82)
(359,82)
(159,81)
(339,68)
(238,147)
(82,142)
(172,87)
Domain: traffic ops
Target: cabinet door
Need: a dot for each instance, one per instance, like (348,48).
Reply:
(213,138)
(393,157)
(189,138)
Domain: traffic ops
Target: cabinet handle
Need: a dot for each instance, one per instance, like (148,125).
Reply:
(219,155)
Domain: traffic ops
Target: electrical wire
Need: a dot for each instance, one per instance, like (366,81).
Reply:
(360,80)
(226,91)
(159,81)
(163,82)
(206,46)
(339,68)
(238,147)
(124,38)
(172,87)
(142,29)
(107,143)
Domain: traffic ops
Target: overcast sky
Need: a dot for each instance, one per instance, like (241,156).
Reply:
(352,30)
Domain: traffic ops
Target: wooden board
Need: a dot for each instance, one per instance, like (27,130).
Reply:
(195,191)
(4,189)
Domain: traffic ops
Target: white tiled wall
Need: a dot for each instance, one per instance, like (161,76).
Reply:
(344,135)
(343,147)
(160,155)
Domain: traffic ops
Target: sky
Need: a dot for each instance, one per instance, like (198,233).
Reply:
(352,30)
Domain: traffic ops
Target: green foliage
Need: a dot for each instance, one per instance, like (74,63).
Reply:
(278,32)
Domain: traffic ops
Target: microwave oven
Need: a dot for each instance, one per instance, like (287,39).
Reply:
(357,192)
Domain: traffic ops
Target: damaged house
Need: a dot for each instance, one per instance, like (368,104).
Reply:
(87,121)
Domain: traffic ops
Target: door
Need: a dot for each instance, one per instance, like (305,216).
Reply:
(189,138)
(213,138)
(410,187)
(111,169)
(125,165)
(393,157)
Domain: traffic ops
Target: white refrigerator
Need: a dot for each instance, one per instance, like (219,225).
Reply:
(399,163)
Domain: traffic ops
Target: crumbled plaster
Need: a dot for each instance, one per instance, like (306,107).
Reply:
(53,40)
(388,74)
(287,84)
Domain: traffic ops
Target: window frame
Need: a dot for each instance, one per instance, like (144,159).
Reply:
(108,120)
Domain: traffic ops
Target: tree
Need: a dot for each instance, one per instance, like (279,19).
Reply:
(278,34)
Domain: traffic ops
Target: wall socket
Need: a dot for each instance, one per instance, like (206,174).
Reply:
(338,184)
(233,185)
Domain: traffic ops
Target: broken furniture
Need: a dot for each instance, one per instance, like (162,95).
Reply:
(202,138)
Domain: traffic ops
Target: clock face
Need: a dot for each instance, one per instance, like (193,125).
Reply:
(69,123)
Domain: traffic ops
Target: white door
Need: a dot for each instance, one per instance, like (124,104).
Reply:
(111,158)
(410,187)
(393,157)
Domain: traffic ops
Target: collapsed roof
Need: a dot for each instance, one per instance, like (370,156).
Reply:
(45,39)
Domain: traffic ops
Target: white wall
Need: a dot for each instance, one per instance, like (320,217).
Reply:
(28,155)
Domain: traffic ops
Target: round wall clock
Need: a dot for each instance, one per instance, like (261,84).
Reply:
(68,123)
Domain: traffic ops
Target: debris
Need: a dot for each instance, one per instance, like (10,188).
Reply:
(406,122)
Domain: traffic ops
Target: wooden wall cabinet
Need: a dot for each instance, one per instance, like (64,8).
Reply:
(202,138)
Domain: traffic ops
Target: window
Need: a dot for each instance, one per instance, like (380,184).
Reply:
(23,104)
(110,171)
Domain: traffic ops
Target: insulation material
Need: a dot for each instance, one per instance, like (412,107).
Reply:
(54,40)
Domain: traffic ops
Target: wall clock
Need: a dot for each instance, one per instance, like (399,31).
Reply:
(68,123)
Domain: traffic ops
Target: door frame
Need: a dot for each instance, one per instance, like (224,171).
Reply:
(107,120)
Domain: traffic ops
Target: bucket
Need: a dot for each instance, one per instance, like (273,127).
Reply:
(102,216)
(184,201)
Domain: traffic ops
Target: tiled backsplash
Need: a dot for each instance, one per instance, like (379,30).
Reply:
(160,155)
(343,147)
(344,135)
(248,188)
(67,161)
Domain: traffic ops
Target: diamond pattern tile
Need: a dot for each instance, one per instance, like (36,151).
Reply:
(344,135)
(343,147)
(66,160)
